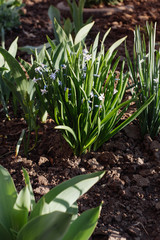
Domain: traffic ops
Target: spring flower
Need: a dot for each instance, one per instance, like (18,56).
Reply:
(101,97)
(39,70)
(156,80)
(92,94)
(85,51)
(53,76)
(115,91)
(96,75)
(63,66)
(89,101)
(84,75)
(90,108)
(43,91)
(87,57)
(59,83)
(35,80)
(100,106)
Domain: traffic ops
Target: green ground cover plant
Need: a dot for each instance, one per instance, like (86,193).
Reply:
(145,74)
(54,216)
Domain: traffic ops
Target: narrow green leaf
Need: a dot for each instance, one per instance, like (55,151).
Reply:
(66,128)
(27,182)
(83,33)
(83,227)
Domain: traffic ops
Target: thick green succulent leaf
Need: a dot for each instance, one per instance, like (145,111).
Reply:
(8,195)
(84,225)
(49,226)
(64,195)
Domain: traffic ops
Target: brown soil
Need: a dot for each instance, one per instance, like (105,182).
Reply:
(130,189)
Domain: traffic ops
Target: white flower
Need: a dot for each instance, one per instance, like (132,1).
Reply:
(92,94)
(101,97)
(39,70)
(156,80)
(96,75)
(43,91)
(85,51)
(87,57)
(115,91)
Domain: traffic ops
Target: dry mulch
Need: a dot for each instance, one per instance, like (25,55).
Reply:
(130,189)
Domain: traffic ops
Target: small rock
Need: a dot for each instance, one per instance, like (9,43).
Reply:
(140,161)
(141,181)
(157,205)
(42,160)
(108,157)
(42,180)
(94,164)
(134,231)
(41,190)
(114,234)
(115,183)
(27,162)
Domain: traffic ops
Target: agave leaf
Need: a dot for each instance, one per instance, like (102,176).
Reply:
(83,227)
(49,226)
(8,195)
(64,195)
(82,33)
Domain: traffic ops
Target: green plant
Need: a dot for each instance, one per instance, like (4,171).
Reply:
(5,92)
(81,94)
(9,16)
(54,216)
(76,11)
(145,74)
(23,89)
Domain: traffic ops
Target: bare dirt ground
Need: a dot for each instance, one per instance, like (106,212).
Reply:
(130,189)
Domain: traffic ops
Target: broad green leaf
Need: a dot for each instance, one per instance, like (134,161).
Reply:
(13,48)
(64,195)
(49,226)
(83,227)
(4,234)
(116,44)
(16,70)
(83,33)
(8,195)
(60,32)
(21,209)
